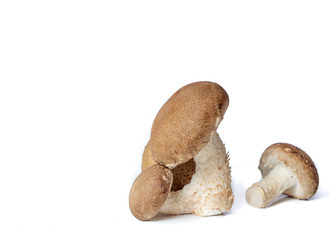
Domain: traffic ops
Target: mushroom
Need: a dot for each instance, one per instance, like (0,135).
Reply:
(149,191)
(285,169)
(184,141)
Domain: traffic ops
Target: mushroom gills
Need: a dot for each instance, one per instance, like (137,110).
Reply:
(182,175)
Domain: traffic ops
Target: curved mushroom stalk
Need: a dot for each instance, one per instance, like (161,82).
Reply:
(209,191)
(278,181)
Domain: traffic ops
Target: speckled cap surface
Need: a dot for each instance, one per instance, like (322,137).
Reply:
(150,191)
(186,122)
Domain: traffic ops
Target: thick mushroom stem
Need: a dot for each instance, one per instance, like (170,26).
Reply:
(209,192)
(279,179)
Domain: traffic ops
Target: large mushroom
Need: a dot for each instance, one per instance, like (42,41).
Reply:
(184,142)
(285,169)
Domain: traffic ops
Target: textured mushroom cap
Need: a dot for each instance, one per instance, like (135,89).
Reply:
(182,173)
(298,162)
(186,122)
(150,191)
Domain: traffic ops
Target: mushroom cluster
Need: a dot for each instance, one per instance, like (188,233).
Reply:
(185,167)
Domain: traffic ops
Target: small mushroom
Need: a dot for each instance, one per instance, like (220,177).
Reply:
(285,169)
(184,141)
(149,191)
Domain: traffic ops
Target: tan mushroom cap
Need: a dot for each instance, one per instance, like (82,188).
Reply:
(186,122)
(150,191)
(298,162)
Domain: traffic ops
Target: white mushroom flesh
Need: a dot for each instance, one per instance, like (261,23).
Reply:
(209,192)
(279,179)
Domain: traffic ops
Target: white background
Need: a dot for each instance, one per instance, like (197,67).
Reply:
(80,85)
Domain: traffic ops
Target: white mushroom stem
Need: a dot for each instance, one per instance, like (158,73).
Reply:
(270,187)
(209,191)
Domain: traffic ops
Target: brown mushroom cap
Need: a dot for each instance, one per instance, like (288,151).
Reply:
(185,123)
(150,191)
(298,162)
